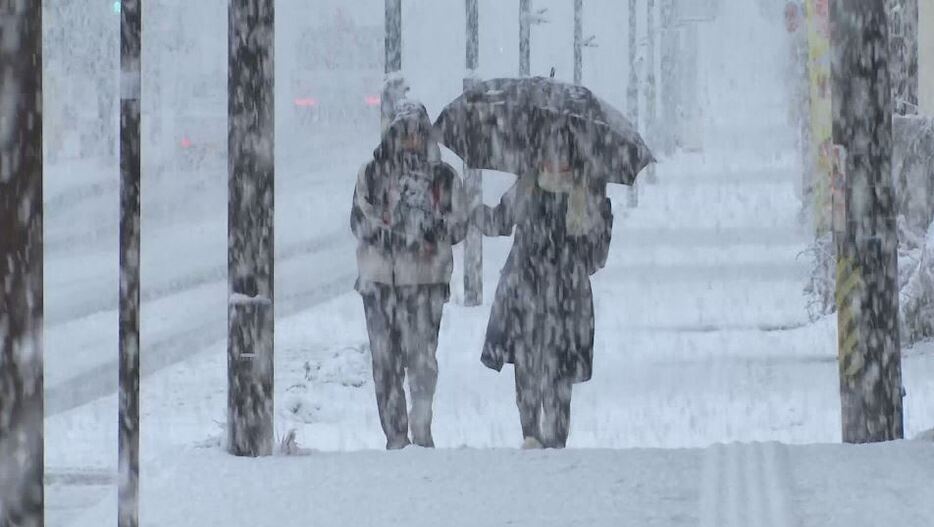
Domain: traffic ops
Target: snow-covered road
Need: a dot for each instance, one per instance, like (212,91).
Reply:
(702,338)
(184,260)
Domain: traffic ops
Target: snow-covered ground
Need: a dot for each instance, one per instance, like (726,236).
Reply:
(702,337)
(761,484)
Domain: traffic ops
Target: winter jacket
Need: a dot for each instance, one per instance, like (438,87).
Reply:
(543,302)
(406,215)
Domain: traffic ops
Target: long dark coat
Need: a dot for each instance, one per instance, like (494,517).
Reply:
(544,302)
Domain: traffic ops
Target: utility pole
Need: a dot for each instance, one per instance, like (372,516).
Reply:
(250,253)
(650,112)
(128,413)
(394,88)
(525,33)
(473,184)
(632,90)
(867,280)
(21,280)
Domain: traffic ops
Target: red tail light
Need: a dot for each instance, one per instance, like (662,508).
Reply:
(306,102)
(372,100)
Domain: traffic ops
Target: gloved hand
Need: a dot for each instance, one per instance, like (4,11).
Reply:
(437,232)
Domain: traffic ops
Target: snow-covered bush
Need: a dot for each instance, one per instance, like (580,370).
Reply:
(916,284)
(821,286)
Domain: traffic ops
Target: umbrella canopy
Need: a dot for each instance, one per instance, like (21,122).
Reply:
(504,124)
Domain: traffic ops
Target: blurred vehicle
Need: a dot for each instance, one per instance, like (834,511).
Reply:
(80,120)
(199,130)
(337,75)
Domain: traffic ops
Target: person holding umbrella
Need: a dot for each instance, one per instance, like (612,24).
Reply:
(565,145)
(542,319)
(408,210)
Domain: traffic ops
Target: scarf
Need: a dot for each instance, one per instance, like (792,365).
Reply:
(581,218)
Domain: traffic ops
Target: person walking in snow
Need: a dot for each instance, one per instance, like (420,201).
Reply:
(408,211)
(542,319)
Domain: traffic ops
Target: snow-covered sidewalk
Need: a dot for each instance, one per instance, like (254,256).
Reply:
(702,337)
(736,485)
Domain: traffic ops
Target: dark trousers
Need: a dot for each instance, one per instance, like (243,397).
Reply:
(543,396)
(403,324)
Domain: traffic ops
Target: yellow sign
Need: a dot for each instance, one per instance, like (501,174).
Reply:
(818,27)
(849,287)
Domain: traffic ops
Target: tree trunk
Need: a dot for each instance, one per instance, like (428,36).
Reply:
(21,308)
(869,355)
(128,418)
(250,253)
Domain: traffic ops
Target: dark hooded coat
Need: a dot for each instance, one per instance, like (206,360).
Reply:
(408,210)
(544,302)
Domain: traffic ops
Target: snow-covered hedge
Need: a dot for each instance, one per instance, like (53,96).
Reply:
(913,178)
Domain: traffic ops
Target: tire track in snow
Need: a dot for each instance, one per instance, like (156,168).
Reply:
(745,485)
(100,381)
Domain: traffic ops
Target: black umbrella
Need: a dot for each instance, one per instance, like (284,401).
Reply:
(502,124)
